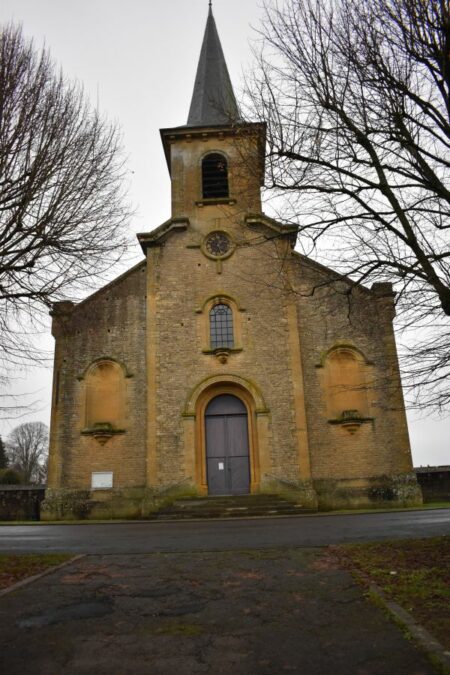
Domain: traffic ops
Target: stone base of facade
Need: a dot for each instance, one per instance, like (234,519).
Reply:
(300,492)
(401,490)
(324,495)
(65,504)
(157,498)
(118,503)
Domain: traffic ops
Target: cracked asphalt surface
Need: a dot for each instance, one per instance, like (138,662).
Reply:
(247,612)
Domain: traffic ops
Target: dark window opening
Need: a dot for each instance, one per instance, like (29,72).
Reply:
(221,326)
(215,176)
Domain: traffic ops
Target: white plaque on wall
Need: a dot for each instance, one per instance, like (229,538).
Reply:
(102,480)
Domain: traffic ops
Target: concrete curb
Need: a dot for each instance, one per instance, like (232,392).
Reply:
(426,641)
(35,577)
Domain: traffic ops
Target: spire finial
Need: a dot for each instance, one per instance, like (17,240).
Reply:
(213,102)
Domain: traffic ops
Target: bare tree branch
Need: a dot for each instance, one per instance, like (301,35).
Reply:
(356,97)
(62,206)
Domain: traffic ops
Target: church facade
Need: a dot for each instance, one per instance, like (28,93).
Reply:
(225,362)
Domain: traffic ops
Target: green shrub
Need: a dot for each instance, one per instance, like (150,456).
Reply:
(9,477)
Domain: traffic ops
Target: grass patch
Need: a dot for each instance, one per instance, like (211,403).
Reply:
(429,506)
(415,573)
(14,568)
(179,628)
(264,554)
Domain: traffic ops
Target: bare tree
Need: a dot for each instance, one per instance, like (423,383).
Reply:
(27,449)
(356,96)
(3,455)
(62,206)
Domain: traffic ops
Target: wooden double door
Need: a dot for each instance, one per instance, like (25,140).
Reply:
(227,448)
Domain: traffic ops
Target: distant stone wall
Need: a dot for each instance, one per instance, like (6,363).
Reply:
(21,502)
(435,482)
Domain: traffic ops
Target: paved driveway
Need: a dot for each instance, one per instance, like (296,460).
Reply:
(147,537)
(253,612)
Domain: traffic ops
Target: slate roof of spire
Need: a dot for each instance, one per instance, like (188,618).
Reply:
(213,101)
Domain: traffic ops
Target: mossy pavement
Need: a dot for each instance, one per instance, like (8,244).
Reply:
(252,612)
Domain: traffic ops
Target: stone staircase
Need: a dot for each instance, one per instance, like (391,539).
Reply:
(241,506)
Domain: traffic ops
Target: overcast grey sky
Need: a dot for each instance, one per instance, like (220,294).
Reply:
(137,61)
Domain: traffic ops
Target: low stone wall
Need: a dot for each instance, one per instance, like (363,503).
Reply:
(121,503)
(378,492)
(21,502)
(435,483)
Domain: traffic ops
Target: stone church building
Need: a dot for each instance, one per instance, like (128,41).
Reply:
(225,362)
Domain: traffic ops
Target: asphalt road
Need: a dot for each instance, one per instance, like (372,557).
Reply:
(223,535)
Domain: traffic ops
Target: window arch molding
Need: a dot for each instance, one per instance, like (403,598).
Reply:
(341,346)
(204,313)
(215,175)
(108,359)
(220,297)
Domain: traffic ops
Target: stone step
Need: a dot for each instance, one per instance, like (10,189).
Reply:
(228,499)
(239,506)
(204,515)
(244,501)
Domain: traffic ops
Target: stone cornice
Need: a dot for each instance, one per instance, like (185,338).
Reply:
(158,236)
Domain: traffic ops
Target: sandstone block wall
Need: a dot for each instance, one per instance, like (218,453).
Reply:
(328,317)
(112,325)
(288,313)
(186,279)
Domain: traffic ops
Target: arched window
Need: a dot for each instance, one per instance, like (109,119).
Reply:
(221,326)
(346,384)
(214,176)
(105,395)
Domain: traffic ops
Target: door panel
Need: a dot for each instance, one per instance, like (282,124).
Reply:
(215,436)
(237,435)
(217,476)
(239,475)
(227,450)
(216,455)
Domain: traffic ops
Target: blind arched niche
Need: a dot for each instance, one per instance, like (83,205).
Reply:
(105,395)
(345,384)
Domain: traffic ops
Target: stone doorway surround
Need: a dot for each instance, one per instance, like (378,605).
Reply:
(227,446)
(194,427)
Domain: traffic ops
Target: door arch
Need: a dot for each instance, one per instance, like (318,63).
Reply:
(227,446)
(258,426)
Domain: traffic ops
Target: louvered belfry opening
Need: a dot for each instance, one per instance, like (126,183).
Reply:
(214,176)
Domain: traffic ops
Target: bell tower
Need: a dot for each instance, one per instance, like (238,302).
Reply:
(215,160)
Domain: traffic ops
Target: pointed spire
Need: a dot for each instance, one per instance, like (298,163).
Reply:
(213,101)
